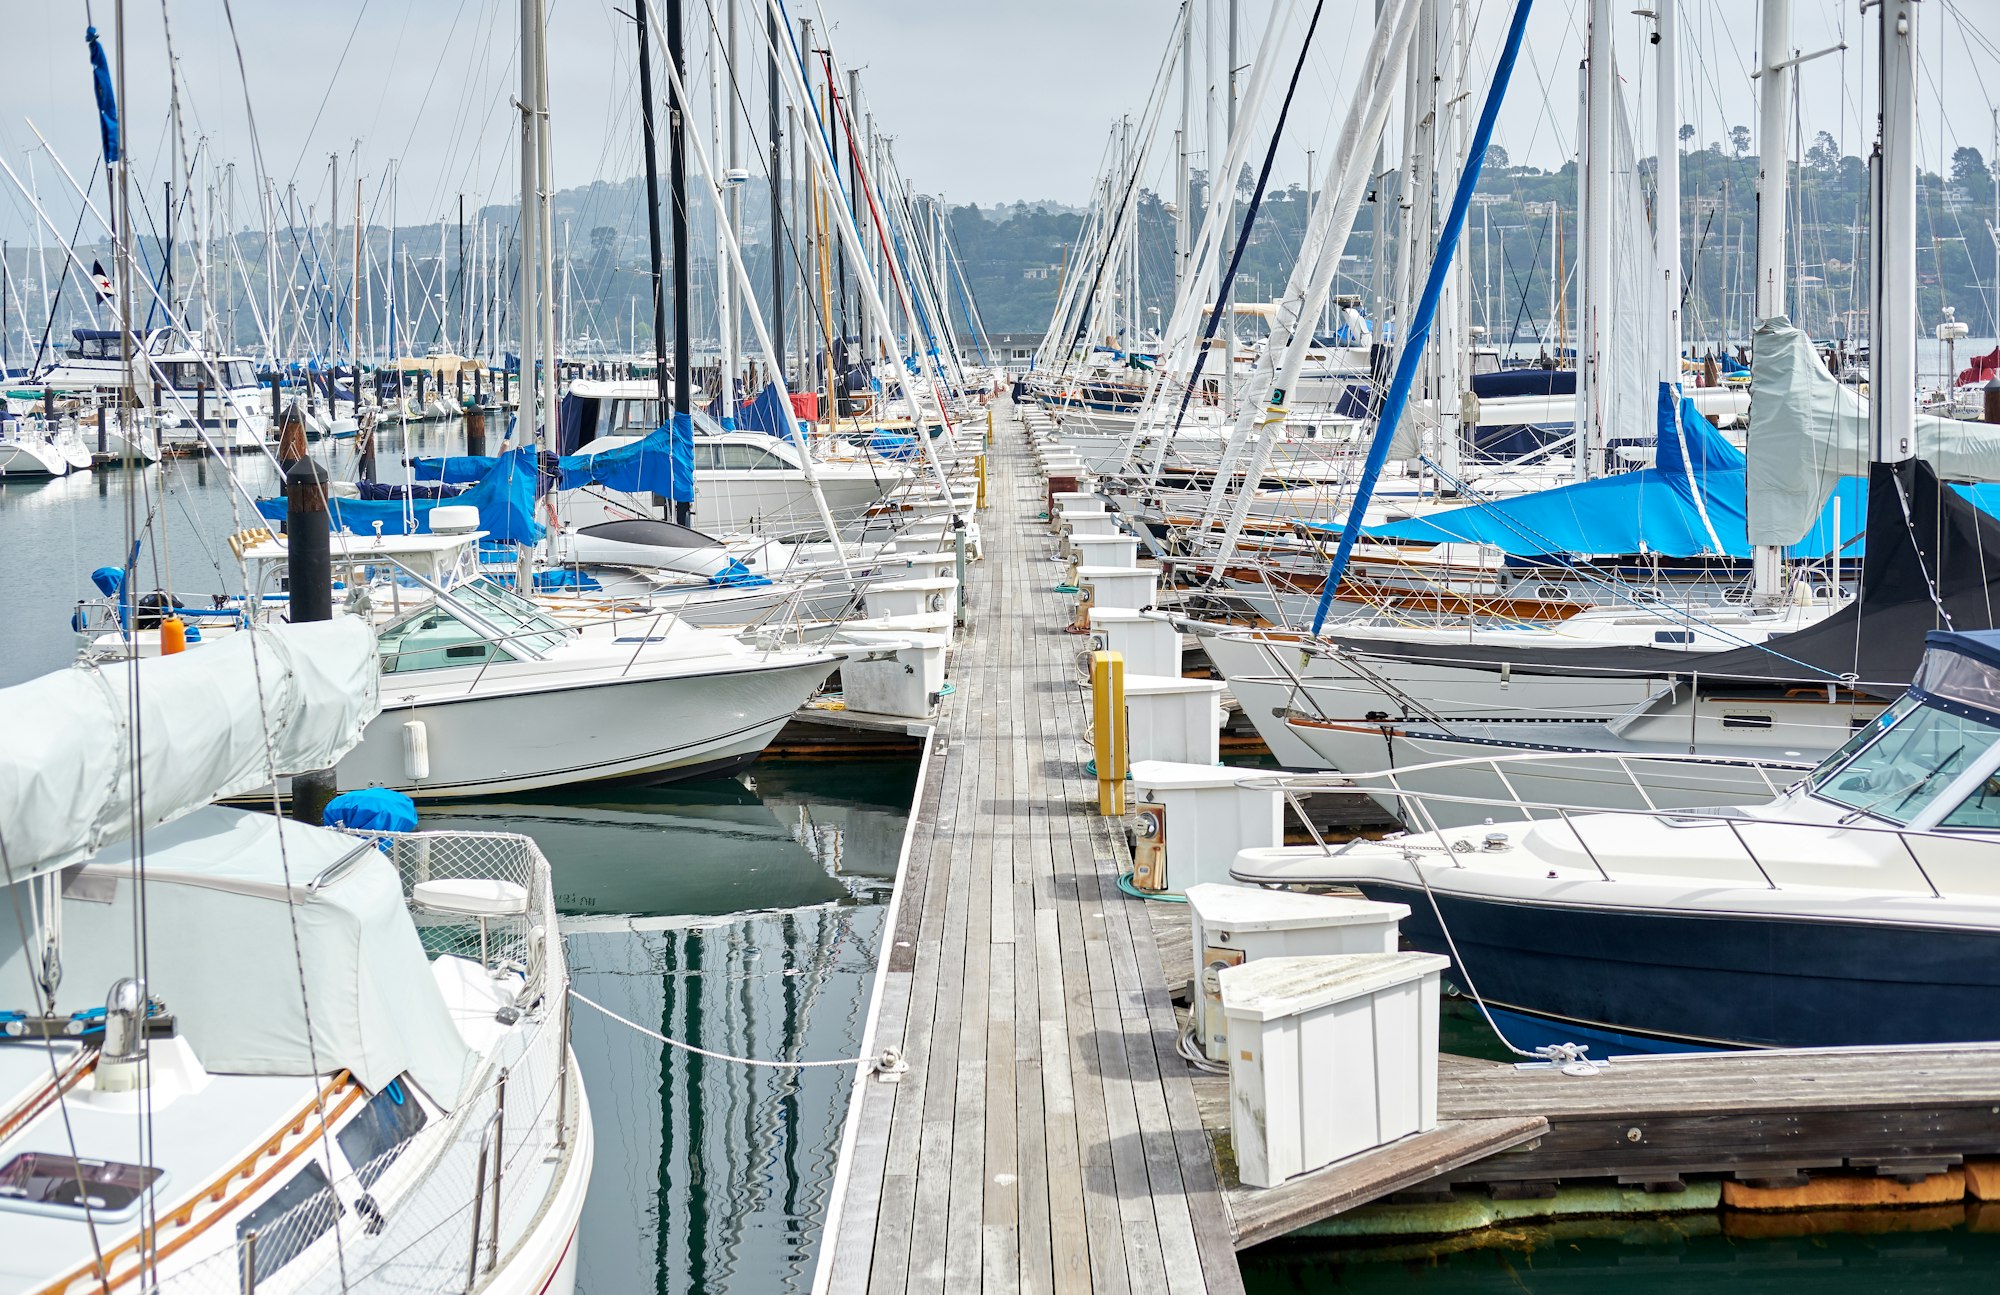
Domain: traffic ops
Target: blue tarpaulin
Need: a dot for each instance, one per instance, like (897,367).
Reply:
(894,446)
(766,413)
(660,462)
(1689,504)
(1653,510)
(504,495)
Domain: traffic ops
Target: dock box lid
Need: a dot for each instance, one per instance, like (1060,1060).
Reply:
(1173,775)
(1247,908)
(1269,988)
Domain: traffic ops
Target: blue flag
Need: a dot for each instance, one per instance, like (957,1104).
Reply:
(107,101)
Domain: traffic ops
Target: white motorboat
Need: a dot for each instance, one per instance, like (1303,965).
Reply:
(486,693)
(366,1083)
(1861,906)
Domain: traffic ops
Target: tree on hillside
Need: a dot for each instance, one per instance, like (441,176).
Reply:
(1496,157)
(1739,139)
(1824,155)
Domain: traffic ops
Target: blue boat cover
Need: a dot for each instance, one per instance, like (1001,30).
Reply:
(661,462)
(505,497)
(765,414)
(371,809)
(1689,504)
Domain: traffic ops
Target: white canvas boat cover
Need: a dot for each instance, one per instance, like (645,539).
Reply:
(1807,431)
(202,726)
(220,952)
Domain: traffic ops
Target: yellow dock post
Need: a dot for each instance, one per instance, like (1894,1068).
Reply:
(1107,701)
(980,502)
(989,426)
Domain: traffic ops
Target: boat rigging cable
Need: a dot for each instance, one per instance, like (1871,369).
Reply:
(1228,283)
(1420,326)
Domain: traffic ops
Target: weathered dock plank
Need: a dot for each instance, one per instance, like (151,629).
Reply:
(1046,1137)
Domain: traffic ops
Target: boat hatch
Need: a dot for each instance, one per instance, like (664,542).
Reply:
(41,1182)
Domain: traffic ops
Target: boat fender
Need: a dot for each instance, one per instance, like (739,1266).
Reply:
(416,750)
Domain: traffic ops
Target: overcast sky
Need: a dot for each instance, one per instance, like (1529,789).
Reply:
(988,102)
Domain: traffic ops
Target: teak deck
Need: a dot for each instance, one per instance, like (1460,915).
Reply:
(1046,1137)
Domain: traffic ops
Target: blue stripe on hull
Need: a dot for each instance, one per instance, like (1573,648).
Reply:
(1719,980)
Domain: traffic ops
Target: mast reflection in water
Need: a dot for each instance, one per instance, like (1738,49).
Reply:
(743,916)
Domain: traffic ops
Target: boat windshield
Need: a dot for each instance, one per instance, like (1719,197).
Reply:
(438,636)
(1916,752)
(524,624)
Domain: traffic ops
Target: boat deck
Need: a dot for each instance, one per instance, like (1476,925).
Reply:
(1046,1137)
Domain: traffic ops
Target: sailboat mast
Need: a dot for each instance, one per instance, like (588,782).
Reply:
(677,182)
(777,238)
(1892,351)
(654,253)
(1667,189)
(1773,137)
(524,297)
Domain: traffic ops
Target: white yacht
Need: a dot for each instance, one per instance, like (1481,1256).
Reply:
(1861,906)
(190,383)
(744,480)
(366,1084)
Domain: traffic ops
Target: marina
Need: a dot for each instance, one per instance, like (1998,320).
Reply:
(680,649)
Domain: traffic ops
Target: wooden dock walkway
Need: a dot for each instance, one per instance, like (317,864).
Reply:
(1046,1137)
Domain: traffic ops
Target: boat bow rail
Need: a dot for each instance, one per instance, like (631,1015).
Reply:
(1925,861)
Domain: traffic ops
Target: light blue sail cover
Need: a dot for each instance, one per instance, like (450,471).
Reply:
(1689,504)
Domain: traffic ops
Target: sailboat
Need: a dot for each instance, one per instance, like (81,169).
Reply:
(367,1082)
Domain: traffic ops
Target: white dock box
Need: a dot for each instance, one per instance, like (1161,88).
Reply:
(1238,924)
(1195,818)
(909,597)
(1088,524)
(1076,503)
(1103,550)
(1328,1057)
(898,677)
(1147,640)
(1178,720)
(1133,587)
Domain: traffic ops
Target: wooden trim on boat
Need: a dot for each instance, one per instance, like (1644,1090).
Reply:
(49,1093)
(286,1146)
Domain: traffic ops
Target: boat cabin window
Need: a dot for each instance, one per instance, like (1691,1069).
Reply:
(632,418)
(1980,810)
(296,1215)
(1916,753)
(372,1140)
(711,456)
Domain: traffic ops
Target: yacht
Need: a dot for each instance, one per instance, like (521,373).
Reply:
(366,1084)
(1859,907)
(193,385)
(744,480)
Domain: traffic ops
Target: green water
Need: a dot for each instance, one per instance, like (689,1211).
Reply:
(743,916)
